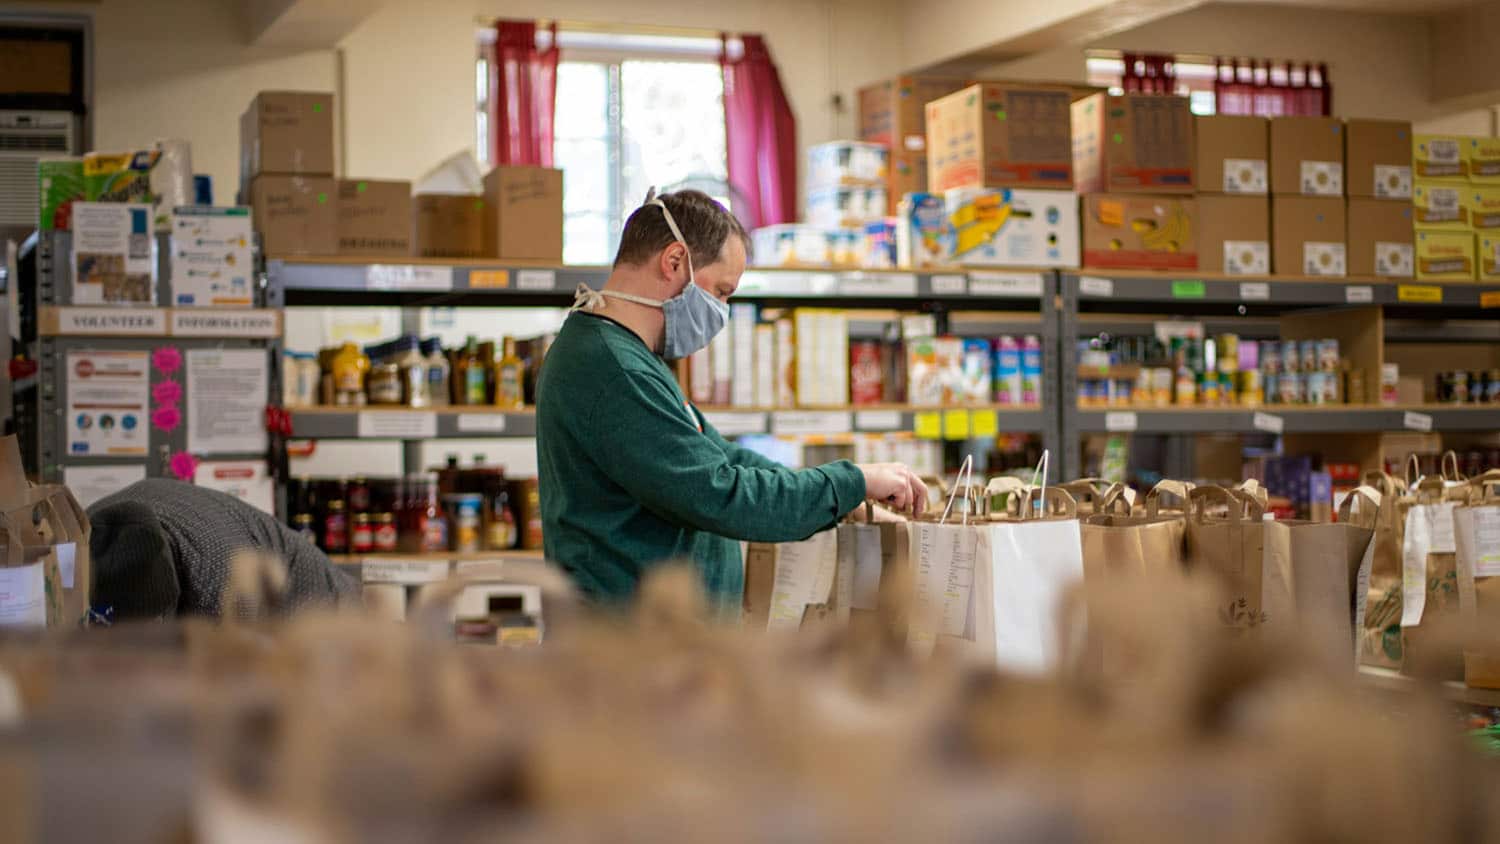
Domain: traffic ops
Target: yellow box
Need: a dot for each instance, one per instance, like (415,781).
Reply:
(1482,156)
(1482,202)
(1440,205)
(1488,256)
(1440,156)
(1445,255)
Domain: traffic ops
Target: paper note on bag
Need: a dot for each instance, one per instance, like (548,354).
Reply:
(1442,528)
(1429,530)
(867,556)
(843,578)
(804,575)
(67,562)
(23,596)
(945,577)
(1486,521)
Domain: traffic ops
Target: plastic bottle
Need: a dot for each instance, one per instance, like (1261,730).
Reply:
(487,364)
(1031,370)
(349,366)
(413,364)
(469,378)
(439,392)
(510,379)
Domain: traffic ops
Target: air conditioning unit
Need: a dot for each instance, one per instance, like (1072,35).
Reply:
(25,137)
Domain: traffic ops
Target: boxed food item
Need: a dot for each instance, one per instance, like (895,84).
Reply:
(1440,205)
(908,175)
(1482,204)
(295,215)
(119,177)
(1488,257)
(1232,154)
(845,245)
(878,245)
(1445,255)
(1023,228)
(741,330)
(765,365)
(1483,158)
(1380,238)
(1439,156)
(924,379)
(1000,135)
(1377,156)
(893,111)
(375,217)
(949,354)
(1234,234)
(847,163)
(1123,231)
(1307,236)
(1307,156)
(922,238)
(287,133)
(60,183)
(1133,143)
(866,376)
(834,207)
(1007,369)
(791,245)
(976,383)
(449,225)
(523,213)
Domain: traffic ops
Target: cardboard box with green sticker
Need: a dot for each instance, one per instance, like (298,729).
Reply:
(295,215)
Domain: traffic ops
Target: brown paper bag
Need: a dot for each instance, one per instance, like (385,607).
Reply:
(1380,645)
(31,594)
(1476,534)
(1430,577)
(1117,543)
(1226,536)
(57,519)
(1331,573)
(782,579)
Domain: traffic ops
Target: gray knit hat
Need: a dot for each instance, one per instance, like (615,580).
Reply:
(133,567)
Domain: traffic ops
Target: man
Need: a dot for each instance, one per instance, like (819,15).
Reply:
(631,472)
(162,548)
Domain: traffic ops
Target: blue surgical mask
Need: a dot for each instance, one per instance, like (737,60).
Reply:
(693,317)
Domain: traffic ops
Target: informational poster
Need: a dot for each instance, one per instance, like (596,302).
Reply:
(247,480)
(226,395)
(114,254)
(107,394)
(91,483)
(212,265)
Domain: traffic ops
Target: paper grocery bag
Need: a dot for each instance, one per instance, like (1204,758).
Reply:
(1476,531)
(1116,543)
(873,566)
(1331,574)
(30,584)
(784,578)
(1088,494)
(1226,536)
(49,515)
(942,555)
(1429,592)
(1380,643)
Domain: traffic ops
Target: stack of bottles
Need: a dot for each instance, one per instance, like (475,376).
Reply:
(451,510)
(408,372)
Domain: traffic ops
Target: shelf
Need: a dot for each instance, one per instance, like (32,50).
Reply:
(1394,681)
(1289,419)
(1101,286)
(417,569)
(436,556)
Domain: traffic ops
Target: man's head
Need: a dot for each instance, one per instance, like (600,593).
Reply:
(719,244)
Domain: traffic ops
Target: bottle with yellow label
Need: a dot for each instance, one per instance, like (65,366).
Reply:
(349,367)
(510,378)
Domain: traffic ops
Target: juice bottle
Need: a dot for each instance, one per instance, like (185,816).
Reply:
(468,374)
(510,379)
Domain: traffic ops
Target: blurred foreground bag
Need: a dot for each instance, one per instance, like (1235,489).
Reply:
(1380,644)
(51,526)
(1476,533)
(1429,591)
(1226,535)
(783,579)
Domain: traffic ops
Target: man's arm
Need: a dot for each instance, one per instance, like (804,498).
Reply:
(737,454)
(641,435)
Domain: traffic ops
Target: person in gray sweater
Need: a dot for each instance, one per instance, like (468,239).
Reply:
(162,548)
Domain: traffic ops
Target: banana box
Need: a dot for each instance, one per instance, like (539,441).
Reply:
(1440,156)
(119,177)
(996,227)
(1482,202)
(1441,205)
(1445,255)
(1488,257)
(1483,156)
(1140,232)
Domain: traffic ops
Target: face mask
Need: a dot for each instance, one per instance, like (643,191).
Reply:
(693,317)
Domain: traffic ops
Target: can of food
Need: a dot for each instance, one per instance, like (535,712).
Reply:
(1460,386)
(1291,357)
(464,511)
(1208,389)
(1354,387)
(1228,387)
(1270,385)
(1251,387)
(1328,355)
(1270,357)
(1143,384)
(1316,387)
(1161,386)
(1333,388)
(1120,391)
(1186,390)
(1308,352)
(1289,388)
(1476,387)
(1229,352)
(1087,391)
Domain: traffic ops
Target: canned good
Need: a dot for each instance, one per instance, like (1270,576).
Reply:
(1492,389)
(1208,389)
(1290,388)
(1228,393)
(1186,390)
(1328,355)
(1316,390)
(1229,352)
(1333,388)
(1291,358)
(1476,387)
(1270,385)
(1270,357)
(1250,388)
(1308,352)
(1088,393)
(1161,386)
(464,511)
(1143,384)
(1120,392)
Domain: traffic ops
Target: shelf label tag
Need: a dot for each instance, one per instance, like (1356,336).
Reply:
(536,279)
(249,322)
(812,422)
(1416,422)
(1359,294)
(408,277)
(882,284)
(1267,422)
(1120,421)
(481,423)
(1093,286)
(403,571)
(397,424)
(737,424)
(984,423)
(1255,291)
(1189,289)
(928,424)
(134,322)
(877,420)
(1490,299)
(952,284)
(1005,284)
(955,424)
(1426,293)
(489,279)
(918,325)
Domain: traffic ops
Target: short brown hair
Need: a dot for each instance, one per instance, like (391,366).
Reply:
(705,225)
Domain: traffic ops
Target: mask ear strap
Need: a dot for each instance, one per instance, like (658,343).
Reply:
(652,199)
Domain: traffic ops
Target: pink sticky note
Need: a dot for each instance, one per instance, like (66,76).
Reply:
(183,465)
(166,359)
(166,392)
(166,417)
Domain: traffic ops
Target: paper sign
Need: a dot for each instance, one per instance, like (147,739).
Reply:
(213,265)
(955,424)
(404,571)
(396,425)
(1268,422)
(1247,257)
(1416,422)
(1425,293)
(877,420)
(408,277)
(1394,259)
(949,285)
(107,395)
(536,279)
(883,284)
(1005,284)
(1189,289)
(1324,258)
(227,391)
(984,423)
(67,562)
(1414,566)
(1244,175)
(23,595)
(736,424)
(92,483)
(1359,294)
(489,279)
(1120,420)
(928,424)
(254,323)
(1323,178)
(804,575)
(1486,533)
(812,422)
(481,423)
(1392,182)
(1255,291)
(1100,287)
(945,576)
(114,254)
(918,325)
(106,322)
(247,480)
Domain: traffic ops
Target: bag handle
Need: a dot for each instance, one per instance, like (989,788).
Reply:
(1114,502)
(1054,501)
(1485,487)
(15,554)
(1387,485)
(1178,489)
(1239,506)
(1450,467)
(1371,497)
(1089,491)
(1413,471)
(1252,488)
(959,485)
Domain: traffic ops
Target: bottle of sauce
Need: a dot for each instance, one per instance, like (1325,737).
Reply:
(415,391)
(487,360)
(335,527)
(499,520)
(439,393)
(385,532)
(469,378)
(427,527)
(361,534)
(349,367)
(510,379)
(385,387)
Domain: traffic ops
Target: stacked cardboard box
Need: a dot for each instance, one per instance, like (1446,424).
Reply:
(893,113)
(286,172)
(1234,209)
(1379,185)
(1456,206)
(1133,159)
(1307,197)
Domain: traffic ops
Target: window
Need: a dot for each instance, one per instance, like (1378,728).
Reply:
(632,112)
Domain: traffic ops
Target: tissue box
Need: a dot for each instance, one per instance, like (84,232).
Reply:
(831,208)
(847,163)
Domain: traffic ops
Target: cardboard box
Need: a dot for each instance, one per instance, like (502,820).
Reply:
(1124,231)
(894,111)
(1012,228)
(449,225)
(1380,238)
(1439,156)
(374,218)
(1377,156)
(1307,156)
(1445,255)
(295,215)
(1234,234)
(1488,257)
(1483,158)
(1440,205)
(908,175)
(1000,136)
(287,132)
(1307,235)
(1482,204)
(1232,154)
(1133,143)
(523,213)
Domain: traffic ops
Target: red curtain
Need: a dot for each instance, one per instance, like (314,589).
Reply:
(523,89)
(1148,73)
(1265,89)
(761,136)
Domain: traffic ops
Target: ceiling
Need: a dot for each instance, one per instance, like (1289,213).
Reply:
(1401,7)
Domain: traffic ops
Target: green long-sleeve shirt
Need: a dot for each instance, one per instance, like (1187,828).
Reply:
(631,474)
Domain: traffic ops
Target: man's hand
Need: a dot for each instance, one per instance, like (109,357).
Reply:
(895,486)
